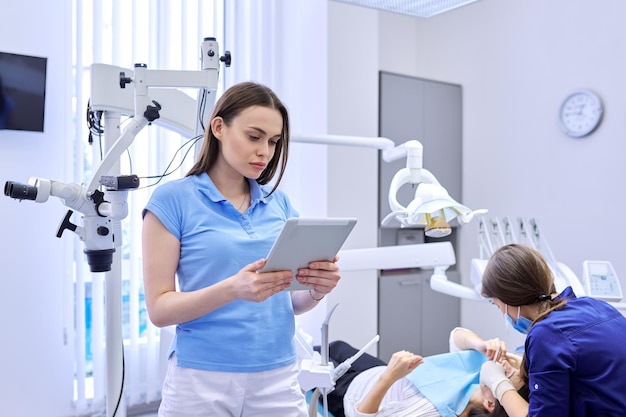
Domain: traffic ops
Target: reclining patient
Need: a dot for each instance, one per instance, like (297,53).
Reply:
(413,386)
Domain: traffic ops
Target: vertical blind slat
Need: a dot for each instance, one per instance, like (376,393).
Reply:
(79,305)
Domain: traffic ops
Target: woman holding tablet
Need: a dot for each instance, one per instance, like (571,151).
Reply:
(233,352)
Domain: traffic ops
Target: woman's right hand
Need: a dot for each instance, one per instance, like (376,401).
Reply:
(492,376)
(251,285)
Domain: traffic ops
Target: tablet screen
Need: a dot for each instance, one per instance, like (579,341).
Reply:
(304,240)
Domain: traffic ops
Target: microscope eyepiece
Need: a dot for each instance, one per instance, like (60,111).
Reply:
(20,191)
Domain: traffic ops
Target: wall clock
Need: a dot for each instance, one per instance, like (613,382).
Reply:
(581,113)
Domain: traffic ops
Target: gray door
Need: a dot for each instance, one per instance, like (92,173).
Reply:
(427,111)
(412,316)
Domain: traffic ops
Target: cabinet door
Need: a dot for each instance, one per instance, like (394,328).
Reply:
(440,314)
(412,316)
(400,312)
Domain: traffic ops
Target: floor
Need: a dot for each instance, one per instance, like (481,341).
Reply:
(146,410)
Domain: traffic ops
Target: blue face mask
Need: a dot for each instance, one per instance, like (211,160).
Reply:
(522,325)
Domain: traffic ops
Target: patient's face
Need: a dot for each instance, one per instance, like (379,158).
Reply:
(486,395)
(481,398)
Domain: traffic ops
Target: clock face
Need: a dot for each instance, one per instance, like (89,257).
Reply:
(581,113)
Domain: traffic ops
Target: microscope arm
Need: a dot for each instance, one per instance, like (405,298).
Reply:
(121,144)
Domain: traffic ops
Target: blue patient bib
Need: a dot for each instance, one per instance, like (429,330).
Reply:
(448,380)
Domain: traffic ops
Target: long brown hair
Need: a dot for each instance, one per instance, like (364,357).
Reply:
(235,100)
(519,275)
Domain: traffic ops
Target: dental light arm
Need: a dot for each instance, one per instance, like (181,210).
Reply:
(439,282)
(438,256)
(414,151)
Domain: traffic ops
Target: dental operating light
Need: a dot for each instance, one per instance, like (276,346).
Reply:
(431,207)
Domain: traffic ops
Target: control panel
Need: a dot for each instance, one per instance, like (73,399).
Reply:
(601,281)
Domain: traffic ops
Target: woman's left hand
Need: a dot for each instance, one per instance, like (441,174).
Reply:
(322,276)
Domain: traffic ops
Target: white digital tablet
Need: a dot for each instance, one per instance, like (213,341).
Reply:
(304,240)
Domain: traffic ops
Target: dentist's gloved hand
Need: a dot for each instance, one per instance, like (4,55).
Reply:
(492,375)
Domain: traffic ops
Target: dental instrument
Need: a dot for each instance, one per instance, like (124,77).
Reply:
(495,357)
(343,367)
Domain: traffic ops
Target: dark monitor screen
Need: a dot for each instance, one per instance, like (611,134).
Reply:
(22,92)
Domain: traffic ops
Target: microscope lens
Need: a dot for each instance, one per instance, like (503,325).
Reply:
(20,191)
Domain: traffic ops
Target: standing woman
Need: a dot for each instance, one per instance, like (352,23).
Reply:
(575,350)
(233,352)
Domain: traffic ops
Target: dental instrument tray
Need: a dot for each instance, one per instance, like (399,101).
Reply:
(304,240)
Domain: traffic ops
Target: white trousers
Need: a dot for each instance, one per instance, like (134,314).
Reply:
(195,393)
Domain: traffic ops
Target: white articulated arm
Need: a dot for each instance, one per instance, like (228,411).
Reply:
(119,147)
(439,282)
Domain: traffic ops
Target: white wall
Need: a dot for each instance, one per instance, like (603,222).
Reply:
(35,302)
(353,172)
(300,78)
(516,61)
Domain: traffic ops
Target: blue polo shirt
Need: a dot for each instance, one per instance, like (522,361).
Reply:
(216,241)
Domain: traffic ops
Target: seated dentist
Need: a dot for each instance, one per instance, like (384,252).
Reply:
(414,386)
(575,350)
